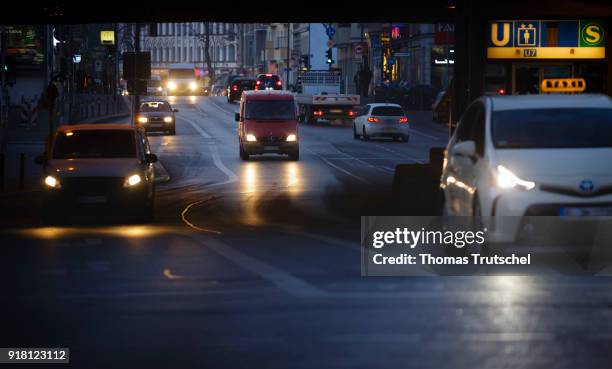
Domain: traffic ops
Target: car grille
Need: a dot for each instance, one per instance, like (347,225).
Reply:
(572,192)
(271,139)
(156,119)
(92,185)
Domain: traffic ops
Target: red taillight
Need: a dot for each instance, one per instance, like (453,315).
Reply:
(373,119)
(235,88)
(268,75)
(279,83)
(403,120)
(352,113)
(318,113)
(258,83)
(501,91)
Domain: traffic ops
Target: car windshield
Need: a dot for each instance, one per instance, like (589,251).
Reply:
(553,128)
(155,106)
(95,144)
(388,111)
(181,73)
(154,83)
(270,110)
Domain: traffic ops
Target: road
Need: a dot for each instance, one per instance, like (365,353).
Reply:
(257,265)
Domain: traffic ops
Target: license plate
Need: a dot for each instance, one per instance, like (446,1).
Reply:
(585,211)
(92,199)
(157,125)
(335,111)
(272,148)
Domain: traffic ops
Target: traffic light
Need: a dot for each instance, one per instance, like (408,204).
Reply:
(9,69)
(329,58)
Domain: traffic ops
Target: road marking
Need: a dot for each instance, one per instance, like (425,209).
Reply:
(231,176)
(196,127)
(168,274)
(212,101)
(337,167)
(426,135)
(401,154)
(285,281)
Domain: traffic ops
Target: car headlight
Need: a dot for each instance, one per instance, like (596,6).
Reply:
(291,138)
(193,85)
(132,180)
(143,119)
(251,138)
(507,179)
(168,119)
(159,89)
(172,85)
(52,182)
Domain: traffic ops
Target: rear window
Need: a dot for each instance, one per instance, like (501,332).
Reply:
(155,106)
(552,128)
(270,110)
(244,83)
(95,144)
(389,111)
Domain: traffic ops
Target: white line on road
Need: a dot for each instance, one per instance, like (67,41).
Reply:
(285,281)
(196,127)
(426,135)
(401,154)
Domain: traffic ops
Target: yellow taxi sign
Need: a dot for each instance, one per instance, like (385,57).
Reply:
(567,85)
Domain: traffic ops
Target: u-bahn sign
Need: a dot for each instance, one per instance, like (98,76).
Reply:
(546,39)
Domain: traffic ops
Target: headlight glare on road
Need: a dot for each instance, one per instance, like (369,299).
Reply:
(507,179)
(251,138)
(143,119)
(168,119)
(52,182)
(132,180)
(172,85)
(291,138)
(193,86)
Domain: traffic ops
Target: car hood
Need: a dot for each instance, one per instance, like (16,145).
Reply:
(152,114)
(107,167)
(559,166)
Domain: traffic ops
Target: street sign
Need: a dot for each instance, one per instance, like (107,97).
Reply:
(330,31)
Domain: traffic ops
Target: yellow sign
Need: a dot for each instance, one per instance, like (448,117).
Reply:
(107,37)
(571,85)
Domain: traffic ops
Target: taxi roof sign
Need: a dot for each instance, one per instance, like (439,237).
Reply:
(566,85)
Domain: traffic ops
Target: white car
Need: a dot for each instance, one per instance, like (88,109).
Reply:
(381,120)
(516,156)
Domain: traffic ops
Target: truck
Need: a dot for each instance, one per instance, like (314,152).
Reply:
(319,98)
(183,80)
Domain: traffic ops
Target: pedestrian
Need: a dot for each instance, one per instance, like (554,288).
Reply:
(366,77)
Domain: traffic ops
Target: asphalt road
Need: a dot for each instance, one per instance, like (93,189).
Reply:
(257,265)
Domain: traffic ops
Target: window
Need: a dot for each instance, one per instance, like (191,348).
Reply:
(388,111)
(103,143)
(552,128)
(155,106)
(270,110)
(364,110)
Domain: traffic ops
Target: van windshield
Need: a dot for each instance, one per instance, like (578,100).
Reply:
(95,144)
(270,110)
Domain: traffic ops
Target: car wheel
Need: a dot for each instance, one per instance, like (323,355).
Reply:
(355,135)
(364,135)
(243,155)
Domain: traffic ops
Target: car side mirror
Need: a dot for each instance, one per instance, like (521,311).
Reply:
(150,158)
(40,160)
(237,117)
(175,110)
(465,149)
